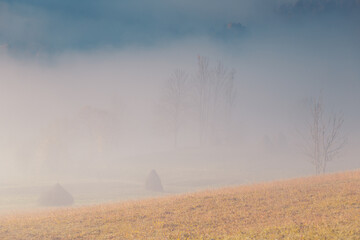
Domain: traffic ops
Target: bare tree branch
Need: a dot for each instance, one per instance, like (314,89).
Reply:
(214,98)
(326,139)
(174,101)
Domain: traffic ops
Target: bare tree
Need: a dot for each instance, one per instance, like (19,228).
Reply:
(211,94)
(202,95)
(230,94)
(174,101)
(214,97)
(325,139)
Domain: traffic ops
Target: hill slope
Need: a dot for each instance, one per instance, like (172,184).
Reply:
(324,207)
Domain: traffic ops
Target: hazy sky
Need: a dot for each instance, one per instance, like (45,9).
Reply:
(54,26)
(59,57)
(41,25)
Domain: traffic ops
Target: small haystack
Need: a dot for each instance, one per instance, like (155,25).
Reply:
(153,182)
(56,196)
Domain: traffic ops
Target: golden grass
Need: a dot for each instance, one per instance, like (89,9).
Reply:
(323,207)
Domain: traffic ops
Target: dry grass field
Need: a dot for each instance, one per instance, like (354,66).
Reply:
(319,207)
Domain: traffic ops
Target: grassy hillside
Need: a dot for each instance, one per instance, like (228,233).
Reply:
(323,207)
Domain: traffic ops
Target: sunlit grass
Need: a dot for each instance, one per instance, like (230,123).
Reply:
(323,207)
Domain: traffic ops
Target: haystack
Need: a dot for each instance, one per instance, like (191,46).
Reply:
(56,196)
(153,182)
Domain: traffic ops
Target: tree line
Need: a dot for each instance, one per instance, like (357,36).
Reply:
(210,93)
(208,96)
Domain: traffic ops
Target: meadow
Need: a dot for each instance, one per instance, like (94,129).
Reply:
(318,207)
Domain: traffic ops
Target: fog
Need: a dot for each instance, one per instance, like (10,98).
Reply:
(82,85)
